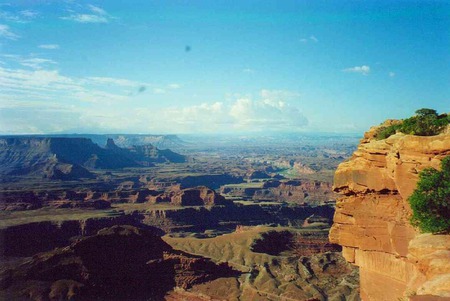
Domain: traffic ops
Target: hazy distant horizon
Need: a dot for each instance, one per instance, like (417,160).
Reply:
(219,134)
(220,67)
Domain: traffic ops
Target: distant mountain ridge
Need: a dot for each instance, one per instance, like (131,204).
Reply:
(145,154)
(23,155)
(159,141)
(121,140)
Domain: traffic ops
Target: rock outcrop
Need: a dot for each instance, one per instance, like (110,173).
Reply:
(290,191)
(213,181)
(26,239)
(66,158)
(198,196)
(160,141)
(63,171)
(19,155)
(195,196)
(145,155)
(372,218)
(118,263)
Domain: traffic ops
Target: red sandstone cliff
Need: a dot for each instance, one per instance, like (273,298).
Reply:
(372,219)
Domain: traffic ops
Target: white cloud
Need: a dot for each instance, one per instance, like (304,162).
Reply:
(26,81)
(364,70)
(194,118)
(23,16)
(97,10)
(49,46)
(114,81)
(21,85)
(36,63)
(159,91)
(278,94)
(242,114)
(248,70)
(40,100)
(94,14)
(11,56)
(30,61)
(5,32)
(266,114)
(8,16)
(391,74)
(86,18)
(312,38)
(174,86)
(28,13)
(99,96)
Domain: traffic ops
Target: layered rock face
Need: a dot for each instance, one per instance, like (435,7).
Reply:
(196,196)
(372,219)
(291,191)
(66,158)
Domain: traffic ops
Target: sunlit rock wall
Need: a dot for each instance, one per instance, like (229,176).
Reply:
(372,219)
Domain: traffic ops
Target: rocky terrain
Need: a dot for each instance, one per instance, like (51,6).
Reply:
(290,191)
(162,142)
(372,219)
(68,158)
(117,263)
(58,193)
(73,171)
(128,140)
(24,233)
(134,263)
(146,154)
(196,196)
(275,267)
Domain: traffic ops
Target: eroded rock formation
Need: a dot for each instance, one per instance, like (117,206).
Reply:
(66,158)
(372,218)
(291,191)
(198,196)
(195,196)
(118,263)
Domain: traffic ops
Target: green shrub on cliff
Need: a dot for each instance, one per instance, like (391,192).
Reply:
(430,202)
(426,122)
(387,131)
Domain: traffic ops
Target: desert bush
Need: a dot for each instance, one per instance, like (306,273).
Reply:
(426,122)
(430,202)
(385,132)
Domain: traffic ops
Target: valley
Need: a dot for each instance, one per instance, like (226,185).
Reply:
(226,200)
(224,150)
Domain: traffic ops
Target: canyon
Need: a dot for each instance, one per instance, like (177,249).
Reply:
(249,223)
(225,222)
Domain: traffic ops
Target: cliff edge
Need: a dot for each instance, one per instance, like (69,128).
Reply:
(371,221)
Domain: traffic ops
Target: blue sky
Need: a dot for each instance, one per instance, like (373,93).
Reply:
(219,66)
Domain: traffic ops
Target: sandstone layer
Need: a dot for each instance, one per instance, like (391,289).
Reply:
(290,191)
(372,219)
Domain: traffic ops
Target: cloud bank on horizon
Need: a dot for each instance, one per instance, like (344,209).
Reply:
(92,66)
